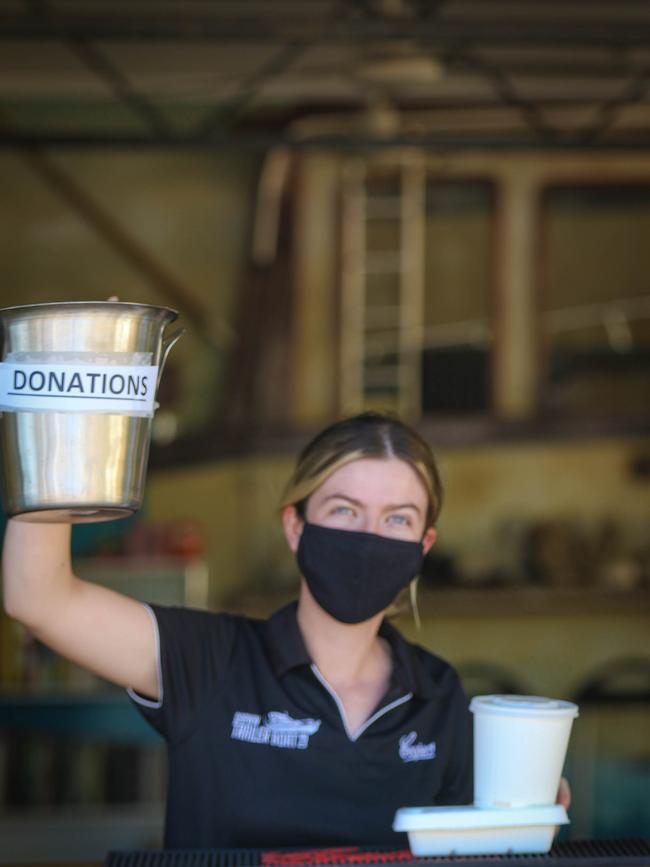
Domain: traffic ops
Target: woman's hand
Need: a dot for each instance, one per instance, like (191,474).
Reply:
(564,794)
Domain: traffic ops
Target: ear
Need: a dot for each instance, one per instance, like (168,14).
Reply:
(428,539)
(293,524)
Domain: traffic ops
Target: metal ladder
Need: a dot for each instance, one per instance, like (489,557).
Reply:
(381,331)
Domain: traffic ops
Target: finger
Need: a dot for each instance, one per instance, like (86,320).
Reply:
(564,794)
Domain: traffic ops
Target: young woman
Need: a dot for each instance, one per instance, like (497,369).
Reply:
(311,728)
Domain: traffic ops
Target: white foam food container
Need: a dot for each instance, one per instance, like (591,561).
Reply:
(472,831)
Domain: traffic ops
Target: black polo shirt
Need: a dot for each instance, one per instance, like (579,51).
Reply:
(259,753)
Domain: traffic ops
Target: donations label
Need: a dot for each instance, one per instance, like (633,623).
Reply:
(119,389)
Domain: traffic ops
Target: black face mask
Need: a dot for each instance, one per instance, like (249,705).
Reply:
(353,575)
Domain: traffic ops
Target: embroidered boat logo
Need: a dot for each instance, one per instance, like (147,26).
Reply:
(277,728)
(409,751)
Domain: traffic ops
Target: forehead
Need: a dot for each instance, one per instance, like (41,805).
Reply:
(377,480)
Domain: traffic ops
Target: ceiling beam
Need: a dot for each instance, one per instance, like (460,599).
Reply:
(554,69)
(96,61)
(505,91)
(259,141)
(635,91)
(587,30)
(227,112)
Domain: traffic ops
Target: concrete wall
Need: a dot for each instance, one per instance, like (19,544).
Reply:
(191,212)
(488,487)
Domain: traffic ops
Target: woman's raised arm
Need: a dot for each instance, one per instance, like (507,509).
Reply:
(110,634)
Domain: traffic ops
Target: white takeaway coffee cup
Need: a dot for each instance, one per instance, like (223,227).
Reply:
(520,743)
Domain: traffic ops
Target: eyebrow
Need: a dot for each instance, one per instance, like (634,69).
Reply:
(397,506)
(390,508)
(343,497)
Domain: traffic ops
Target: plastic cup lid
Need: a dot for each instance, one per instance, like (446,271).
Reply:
(523,705)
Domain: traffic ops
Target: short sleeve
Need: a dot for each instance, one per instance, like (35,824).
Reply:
(193,651)
(458,781)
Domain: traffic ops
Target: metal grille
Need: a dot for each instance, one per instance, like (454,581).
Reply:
(594,853)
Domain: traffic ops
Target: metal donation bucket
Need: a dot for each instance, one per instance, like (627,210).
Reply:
(77,397)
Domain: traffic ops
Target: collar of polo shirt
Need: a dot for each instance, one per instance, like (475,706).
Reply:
(287,650)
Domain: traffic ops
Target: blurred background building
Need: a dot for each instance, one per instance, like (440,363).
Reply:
(434,207)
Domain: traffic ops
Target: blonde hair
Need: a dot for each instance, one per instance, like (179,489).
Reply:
(368,435)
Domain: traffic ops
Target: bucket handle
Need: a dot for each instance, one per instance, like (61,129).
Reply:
(167,342)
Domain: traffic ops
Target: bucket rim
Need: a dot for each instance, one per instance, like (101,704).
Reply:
(173,314)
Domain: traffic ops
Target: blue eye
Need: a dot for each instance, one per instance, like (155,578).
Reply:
(402,520)
(342,510)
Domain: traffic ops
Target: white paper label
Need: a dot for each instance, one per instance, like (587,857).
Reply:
(120,389)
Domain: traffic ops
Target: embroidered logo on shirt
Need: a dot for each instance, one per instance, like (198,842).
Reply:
(277,729)
(409,751)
